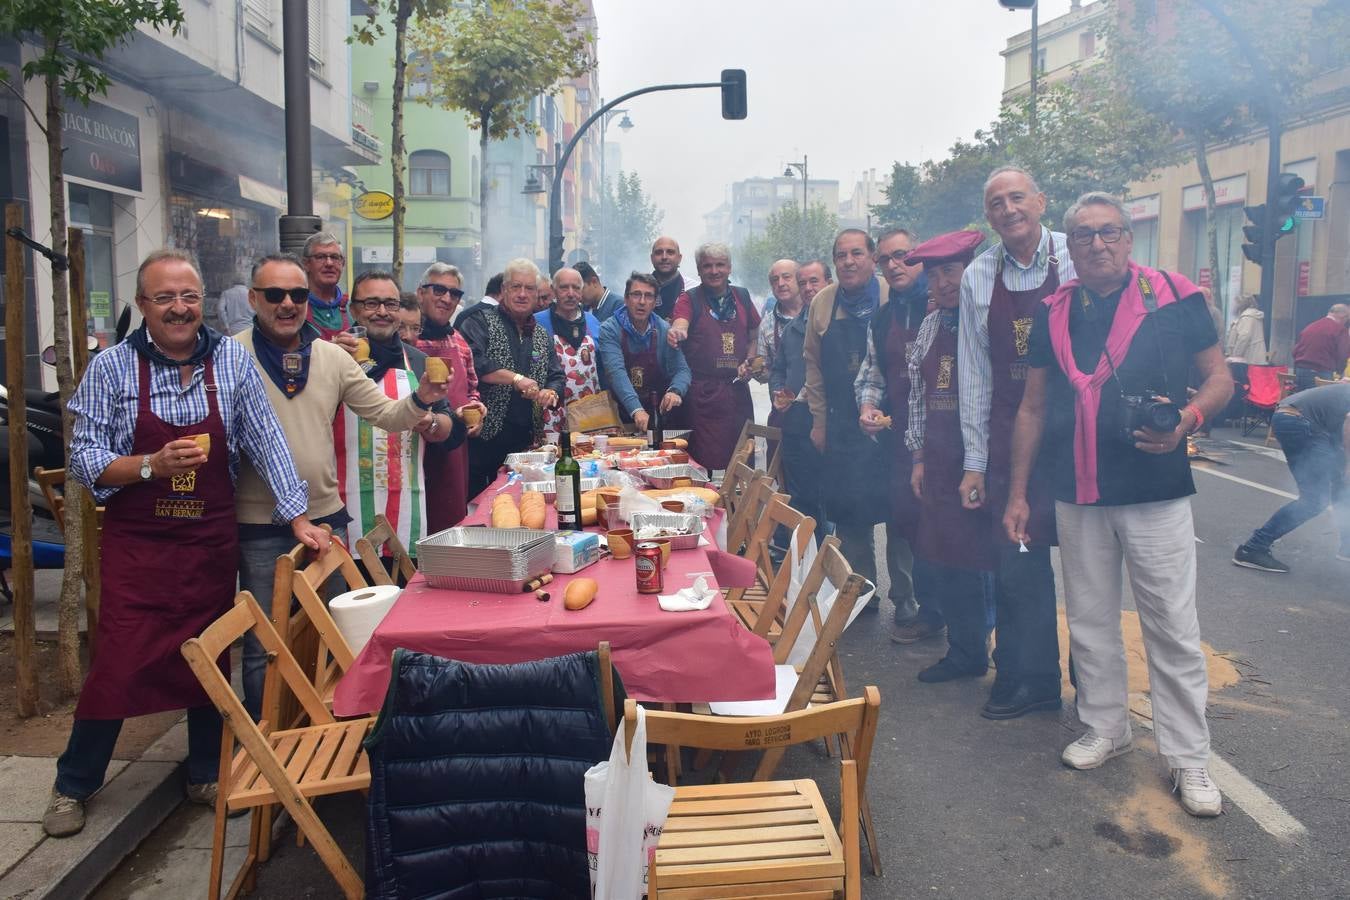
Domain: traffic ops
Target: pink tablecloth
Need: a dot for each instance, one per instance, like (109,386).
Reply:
(687,657)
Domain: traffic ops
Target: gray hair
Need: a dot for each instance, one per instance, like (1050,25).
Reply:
(521,265)
(898,232)
(321,239)
(712,250)
(166,254)
(1246,301)
(1096,198)
(567,269)
(440,268)
(289,259)
(1017,170)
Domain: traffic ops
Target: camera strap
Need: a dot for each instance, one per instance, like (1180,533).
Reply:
(1150,301)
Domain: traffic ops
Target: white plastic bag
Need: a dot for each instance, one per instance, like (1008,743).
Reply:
(625,812)
(825,597)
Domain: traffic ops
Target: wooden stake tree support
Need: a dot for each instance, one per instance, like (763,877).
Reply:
(21,510)
(87,511)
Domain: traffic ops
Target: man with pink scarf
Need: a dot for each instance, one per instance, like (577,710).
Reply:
(1109,356)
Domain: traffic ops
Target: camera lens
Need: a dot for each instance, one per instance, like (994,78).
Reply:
(1162,417)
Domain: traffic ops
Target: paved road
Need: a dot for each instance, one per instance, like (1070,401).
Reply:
(965,807)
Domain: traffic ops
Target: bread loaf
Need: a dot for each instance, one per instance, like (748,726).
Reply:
(532,509)
(505,513)
(580,592)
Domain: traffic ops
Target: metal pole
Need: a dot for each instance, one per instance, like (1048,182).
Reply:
(1279,334)
(1035,59)
(805,184)
(299,222)
(555,229)
(604,197)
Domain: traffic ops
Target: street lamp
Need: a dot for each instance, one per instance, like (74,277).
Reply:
(788,173)
(627,125)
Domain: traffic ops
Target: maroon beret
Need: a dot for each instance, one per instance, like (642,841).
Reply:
(954,246)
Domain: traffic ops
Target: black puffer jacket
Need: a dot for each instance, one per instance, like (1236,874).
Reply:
(476,778)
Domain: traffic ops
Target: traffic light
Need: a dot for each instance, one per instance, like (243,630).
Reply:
(1286,201)
(1017,4)
(1269,225)
(1255,233)
(733,94)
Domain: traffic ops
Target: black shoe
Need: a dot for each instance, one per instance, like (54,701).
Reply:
(946,670)
(1003,689)
(1020,702)
(1251,558)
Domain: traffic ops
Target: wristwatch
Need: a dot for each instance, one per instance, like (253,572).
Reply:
(146,472)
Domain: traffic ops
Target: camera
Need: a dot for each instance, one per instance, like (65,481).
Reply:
(1149,411)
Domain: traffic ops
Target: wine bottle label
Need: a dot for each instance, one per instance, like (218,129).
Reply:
(565,502)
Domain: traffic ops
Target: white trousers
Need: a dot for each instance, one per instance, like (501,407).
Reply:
(1156,544)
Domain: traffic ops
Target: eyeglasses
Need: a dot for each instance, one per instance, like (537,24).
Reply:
(1083,237)
(898,257)
(298,295)
(373,304)
(328,257)
(440,290)
(189,298)
(642,295)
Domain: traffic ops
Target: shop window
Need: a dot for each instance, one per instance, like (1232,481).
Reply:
(1146,243)
(428,174)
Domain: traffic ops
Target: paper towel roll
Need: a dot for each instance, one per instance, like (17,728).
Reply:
(358,612)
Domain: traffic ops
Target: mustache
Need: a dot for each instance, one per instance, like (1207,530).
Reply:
(175,319)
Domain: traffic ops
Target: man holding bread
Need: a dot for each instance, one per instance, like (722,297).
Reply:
(308,381)
(381,471)
(160,421)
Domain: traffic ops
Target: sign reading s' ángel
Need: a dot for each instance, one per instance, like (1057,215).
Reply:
(103,145)
(374,205)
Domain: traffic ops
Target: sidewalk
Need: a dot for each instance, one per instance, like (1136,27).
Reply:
(139,794)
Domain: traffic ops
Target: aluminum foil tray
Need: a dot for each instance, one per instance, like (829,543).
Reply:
(548,489)
(689,523)
(666,476)
(498,560)
(531,458)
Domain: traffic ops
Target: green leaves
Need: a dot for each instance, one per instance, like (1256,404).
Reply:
(632,222)
(786,236)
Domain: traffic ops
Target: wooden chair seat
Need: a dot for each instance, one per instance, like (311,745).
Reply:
(321,759)
(766,838)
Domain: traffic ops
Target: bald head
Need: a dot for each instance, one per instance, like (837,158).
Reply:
(1340,312)
(665,257)
(783,283)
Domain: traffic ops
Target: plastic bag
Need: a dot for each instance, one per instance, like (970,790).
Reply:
(632,500)
(625,812)
(825,597)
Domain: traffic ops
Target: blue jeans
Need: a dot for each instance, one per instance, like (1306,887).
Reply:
(1318,463)
(81,769)
(257,572)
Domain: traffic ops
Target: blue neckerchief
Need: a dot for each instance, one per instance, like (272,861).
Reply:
(642,340)
(914,302)
(207,339)
(864,303)
(289,379)
(723,308)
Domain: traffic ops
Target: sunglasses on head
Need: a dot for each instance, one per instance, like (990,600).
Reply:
(277,294)
(441,290)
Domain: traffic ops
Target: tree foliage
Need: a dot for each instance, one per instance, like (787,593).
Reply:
(785,236)
(491,58)
(632,222)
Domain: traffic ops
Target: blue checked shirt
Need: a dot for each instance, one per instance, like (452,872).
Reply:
(105,419)
(975,373)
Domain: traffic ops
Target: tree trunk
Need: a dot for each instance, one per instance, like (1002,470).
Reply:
(1217,279)
(72,577)
(397,152)
(487,263)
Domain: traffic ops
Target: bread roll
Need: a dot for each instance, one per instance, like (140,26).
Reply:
(580,592)
(505,513)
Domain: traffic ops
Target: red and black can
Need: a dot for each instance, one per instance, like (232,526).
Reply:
(647,561)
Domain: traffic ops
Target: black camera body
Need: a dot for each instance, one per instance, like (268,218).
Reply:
(1148,410)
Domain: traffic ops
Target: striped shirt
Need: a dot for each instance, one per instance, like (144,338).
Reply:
(918,411)
(869,387)
(105,406)
(974,370)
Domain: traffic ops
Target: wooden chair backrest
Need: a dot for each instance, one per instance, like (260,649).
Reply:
(773,444)
(801,531)
(753,503)
(53,482)
(368,548)
(741,455)
(829,563)
(735,480)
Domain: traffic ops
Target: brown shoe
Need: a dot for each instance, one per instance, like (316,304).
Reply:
(913,632)
(205,795)
(64,815)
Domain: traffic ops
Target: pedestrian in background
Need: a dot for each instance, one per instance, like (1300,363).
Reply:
(1323,348)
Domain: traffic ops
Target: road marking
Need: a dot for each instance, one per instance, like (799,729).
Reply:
(1273,818)
(1261,449)
(1252,484)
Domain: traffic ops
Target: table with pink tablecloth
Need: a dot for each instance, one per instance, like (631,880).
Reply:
(689,657)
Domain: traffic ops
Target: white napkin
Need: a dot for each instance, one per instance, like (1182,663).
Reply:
(700,596)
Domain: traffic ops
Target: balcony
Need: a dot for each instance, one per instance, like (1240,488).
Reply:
(363,131)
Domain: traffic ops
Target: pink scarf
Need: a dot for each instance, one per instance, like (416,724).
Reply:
(1129,316)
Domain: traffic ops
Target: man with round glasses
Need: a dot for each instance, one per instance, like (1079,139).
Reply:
(308,381)
(440,292)
(160,421)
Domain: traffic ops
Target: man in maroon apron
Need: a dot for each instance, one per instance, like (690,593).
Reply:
(956,541)
(159,423)
(638,362)
(447,470)
(999,295)
(717,324)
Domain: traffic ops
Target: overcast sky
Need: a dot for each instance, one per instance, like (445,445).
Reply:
(853,84)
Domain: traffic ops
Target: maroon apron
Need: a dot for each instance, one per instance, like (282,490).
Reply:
(897,343)
(717,408)
(648,377)
(169,560)
(1010,317)
(949,534)
(446,472)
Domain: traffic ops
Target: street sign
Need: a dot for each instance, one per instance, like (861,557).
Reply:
(1310,208)
(374,205)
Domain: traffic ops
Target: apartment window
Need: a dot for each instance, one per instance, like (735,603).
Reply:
(1087,44)
(316,38)
(1040,61)
(258,15)
(500,184)
(428,174)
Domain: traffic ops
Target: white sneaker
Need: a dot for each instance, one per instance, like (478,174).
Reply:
(1199,794)
(1092,749)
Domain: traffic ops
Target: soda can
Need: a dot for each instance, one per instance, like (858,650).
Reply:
(647,562)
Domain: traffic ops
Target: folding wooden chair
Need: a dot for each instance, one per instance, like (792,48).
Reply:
(288,767)
(53,482)
(368,548)
(747,604)
(773,444)
(753,502)
(766,838)
(735,480)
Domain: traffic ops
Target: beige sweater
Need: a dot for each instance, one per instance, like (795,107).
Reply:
(818,320)
(307,420)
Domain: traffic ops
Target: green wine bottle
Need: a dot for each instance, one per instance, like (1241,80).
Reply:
(567,484)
